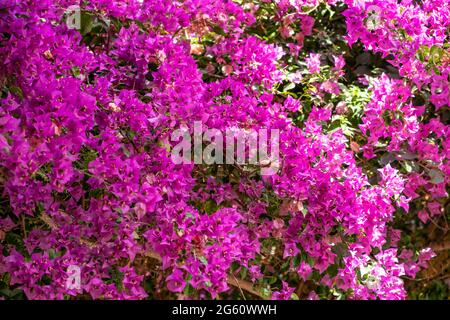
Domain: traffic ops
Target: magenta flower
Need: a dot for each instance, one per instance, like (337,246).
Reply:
(175,281)
(313,62)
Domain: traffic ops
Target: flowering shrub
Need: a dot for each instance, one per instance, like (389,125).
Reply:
(359,91)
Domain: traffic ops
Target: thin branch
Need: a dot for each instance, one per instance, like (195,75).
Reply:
(240,289)
(24,229)
(440,246)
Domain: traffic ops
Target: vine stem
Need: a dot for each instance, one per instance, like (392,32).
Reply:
(441,246)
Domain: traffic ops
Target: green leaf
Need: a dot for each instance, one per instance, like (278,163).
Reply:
(294,297)
(436,176)
(203,260)
(217,29)
(265,292)
(16,91)
(272,280)
(52,254)
(243,272)
(407,166)
(304,211)
(86,22)
(406,155)
(190,215)
(188,290)
(288,87)
(436,53)
(75,71)
(423,53)
(296,260)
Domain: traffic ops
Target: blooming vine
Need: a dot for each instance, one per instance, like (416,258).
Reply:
(87,179)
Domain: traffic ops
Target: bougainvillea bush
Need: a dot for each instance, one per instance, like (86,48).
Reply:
(92,90)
